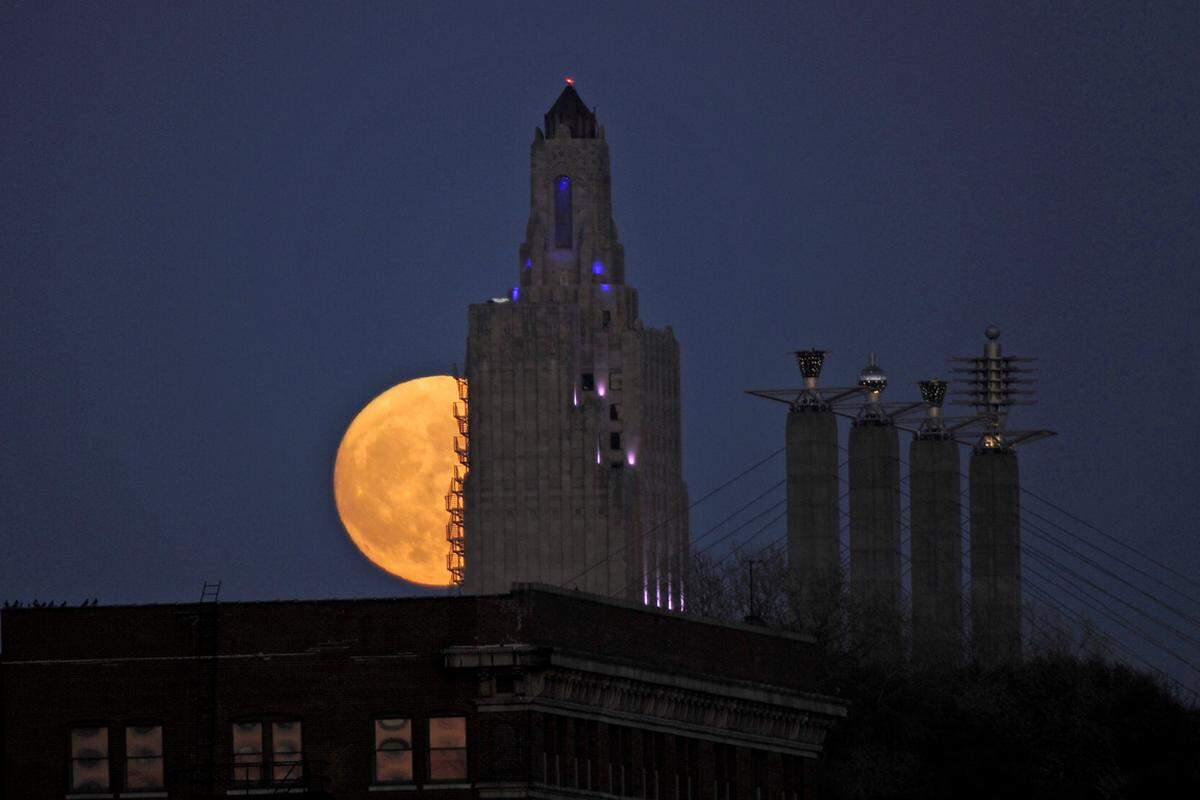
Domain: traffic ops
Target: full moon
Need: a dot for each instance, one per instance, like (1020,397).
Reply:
(391,476)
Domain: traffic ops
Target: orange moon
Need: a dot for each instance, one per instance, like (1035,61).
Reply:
(391,476)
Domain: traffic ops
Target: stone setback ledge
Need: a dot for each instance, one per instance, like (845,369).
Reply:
(547,588)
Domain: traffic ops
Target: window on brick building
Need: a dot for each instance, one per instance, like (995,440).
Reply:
(587,382)
(447,748)
(551,760)
(615,380)
(563,223)
(605,319)
(620,761)
(613,412)
(254,740)
(247,752)
(614,440)
(287,748)
(144,757)
(89,759)
(758,772)
(693,767)
(725,771)
(582,762)
(393,750)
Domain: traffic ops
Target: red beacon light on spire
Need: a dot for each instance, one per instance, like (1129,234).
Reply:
(570,81)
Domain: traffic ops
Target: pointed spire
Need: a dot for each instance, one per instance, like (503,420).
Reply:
(570,112)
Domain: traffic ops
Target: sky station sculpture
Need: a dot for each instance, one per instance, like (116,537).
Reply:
(992,385)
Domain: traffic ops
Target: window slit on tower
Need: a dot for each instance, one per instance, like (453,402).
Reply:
(563,224)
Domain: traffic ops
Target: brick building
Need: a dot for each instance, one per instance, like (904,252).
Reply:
(538,693)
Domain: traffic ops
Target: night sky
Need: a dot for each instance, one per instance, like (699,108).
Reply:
(227,226)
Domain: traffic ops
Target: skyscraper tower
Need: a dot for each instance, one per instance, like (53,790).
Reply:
(574,413)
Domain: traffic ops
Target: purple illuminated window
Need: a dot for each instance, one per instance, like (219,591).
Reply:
(598,268)
(516,293)
(563,224)
(606,287)
(528,263)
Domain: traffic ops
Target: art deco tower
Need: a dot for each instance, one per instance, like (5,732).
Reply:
(574,410)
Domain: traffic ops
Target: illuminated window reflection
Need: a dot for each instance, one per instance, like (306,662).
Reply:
(393,751)
(447,748)
(247,752)
(144,757)
(284,743)
(89,759)
(286,752)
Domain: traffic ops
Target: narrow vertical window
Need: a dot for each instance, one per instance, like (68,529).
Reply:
(89,759)
(247,752)
(286,752)
(447,748)
(144,757)
(563,224)
(393,751)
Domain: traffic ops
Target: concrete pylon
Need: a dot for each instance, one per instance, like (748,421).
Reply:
(875,537)
(935,523)
(995,555)
(812,513)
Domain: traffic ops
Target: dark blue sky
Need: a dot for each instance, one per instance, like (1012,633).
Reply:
(227,226)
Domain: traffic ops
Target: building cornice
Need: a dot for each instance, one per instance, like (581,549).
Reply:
(732,712)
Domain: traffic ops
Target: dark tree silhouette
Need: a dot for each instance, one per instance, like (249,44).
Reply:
(1064,723)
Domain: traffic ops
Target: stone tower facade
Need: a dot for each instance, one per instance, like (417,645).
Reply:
(575,446)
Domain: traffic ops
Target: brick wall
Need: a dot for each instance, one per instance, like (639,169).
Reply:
(337,665)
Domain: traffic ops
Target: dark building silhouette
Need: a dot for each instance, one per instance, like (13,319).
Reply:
(536,693)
